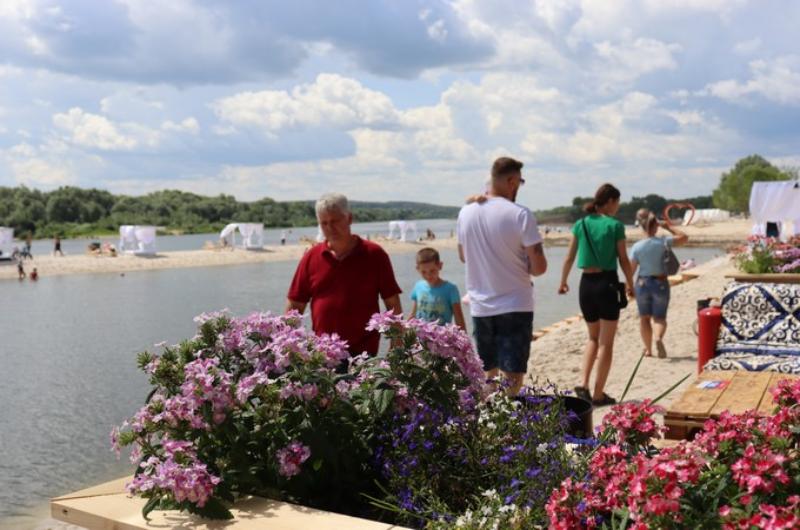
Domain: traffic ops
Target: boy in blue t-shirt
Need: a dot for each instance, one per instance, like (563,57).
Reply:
(433,298)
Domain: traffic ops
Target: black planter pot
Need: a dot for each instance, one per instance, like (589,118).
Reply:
(580,425)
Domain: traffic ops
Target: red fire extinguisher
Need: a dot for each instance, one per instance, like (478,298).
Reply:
(709,320)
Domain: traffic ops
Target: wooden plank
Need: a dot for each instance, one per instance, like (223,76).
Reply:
(772,277)
(121,512)
(112,487)
(743,393)
(698,402)
(767,405)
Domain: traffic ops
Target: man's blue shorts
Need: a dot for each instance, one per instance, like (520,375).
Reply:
(504,341)
(652,296)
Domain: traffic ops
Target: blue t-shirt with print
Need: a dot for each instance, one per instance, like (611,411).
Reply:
(649,253)
(435,303)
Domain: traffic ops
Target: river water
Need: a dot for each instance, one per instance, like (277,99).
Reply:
(68,347)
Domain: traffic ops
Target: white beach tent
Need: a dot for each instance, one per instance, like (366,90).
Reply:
(6,242)
(705,214)
(775,202)
(403,228)
(137,239)
(252,235)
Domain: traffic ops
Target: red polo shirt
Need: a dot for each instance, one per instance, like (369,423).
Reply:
(344,293)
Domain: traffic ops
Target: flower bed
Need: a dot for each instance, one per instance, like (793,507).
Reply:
(258,405)
(763,255)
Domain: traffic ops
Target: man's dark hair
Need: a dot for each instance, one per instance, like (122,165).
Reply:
(505,166)
(428,255)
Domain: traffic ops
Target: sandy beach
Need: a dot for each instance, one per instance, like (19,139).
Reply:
(557,355)
(714,235)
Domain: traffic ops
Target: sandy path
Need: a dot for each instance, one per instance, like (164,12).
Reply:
(557,356)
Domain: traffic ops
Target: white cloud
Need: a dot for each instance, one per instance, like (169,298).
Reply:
(188,125)
(92,130)
(330,101)
(36,172)
(747,47)
(776,80)
(98,132)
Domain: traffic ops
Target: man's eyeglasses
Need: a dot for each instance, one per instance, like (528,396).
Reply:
(521,181)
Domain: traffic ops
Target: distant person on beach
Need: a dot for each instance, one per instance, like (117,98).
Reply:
(283,237)
(28,245)
(433,298)
(20,270)
(344,277)
(500,243)
(598,240)
(34,275)
(57,246)
(652,284)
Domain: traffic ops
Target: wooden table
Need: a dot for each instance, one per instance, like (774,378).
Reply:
(715,391)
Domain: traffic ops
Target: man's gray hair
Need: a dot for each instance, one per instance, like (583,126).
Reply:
(332,202)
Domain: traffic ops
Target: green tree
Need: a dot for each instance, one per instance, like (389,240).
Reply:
(733,192)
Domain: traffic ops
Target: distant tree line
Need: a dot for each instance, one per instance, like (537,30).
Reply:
(732,194)
(627,210)
(71,211)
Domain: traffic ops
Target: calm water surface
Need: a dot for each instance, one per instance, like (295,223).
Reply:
(68,346)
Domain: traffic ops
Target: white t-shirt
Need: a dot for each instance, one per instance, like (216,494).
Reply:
(493,236)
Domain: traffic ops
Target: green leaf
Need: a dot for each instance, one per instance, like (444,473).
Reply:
(150,505)
(630,379)
(317,465)
(670,389)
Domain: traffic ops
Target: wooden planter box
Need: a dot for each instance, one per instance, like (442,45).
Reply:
(109,506)
(774,277)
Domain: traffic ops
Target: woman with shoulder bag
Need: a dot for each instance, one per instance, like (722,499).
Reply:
(653,257)
(599,243)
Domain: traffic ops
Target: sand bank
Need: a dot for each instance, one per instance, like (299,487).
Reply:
(557,356)
(717,234)
(91,264)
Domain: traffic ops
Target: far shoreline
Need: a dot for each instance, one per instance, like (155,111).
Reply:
(716,235)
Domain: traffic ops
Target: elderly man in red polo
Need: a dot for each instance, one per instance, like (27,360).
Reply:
(343,277)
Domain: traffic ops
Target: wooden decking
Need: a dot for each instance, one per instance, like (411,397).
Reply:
(716,391)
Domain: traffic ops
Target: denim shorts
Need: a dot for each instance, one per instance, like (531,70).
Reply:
(652,296)
(504,341)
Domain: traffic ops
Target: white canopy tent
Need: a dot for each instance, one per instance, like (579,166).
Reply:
(705,214)
(776,202)
(137,239)
(252,235)
(6,242)
(403,228)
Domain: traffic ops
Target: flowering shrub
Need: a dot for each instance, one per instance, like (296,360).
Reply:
(258,405)
(764,255)
(741,472)
(439,466)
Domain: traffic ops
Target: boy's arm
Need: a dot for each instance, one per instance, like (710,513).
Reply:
(458,316)
(413,309)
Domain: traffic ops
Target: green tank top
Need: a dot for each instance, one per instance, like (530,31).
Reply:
(604,232)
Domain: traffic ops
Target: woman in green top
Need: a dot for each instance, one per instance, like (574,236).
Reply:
(599,242)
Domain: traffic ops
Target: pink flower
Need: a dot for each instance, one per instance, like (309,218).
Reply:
(291,457)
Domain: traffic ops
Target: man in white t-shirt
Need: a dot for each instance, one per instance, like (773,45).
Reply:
(500,244)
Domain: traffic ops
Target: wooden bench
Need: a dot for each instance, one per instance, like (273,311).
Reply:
(716,391)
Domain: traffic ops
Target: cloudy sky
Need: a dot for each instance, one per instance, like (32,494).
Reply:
(394,99)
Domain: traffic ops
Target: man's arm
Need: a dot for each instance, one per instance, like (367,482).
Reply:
(393,304)
(291,304)
(537,261)
(461,253)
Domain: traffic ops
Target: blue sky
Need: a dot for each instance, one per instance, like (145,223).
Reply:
(403,99)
